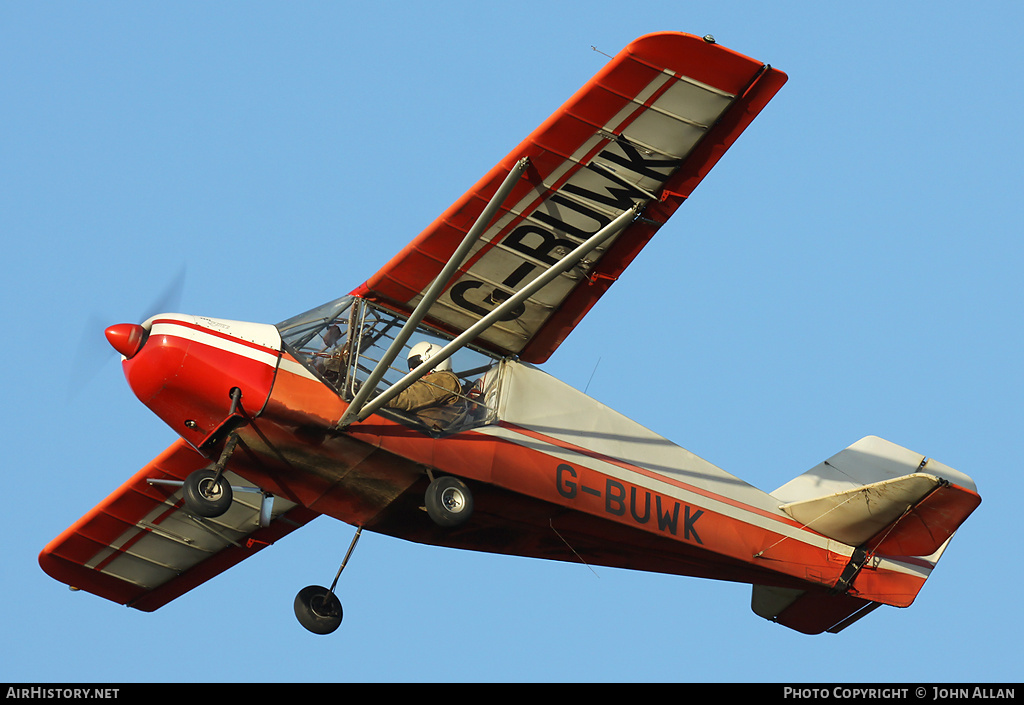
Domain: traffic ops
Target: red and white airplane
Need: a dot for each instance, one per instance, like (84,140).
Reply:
(282,423)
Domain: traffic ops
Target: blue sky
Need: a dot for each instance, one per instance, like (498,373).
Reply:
(851,267)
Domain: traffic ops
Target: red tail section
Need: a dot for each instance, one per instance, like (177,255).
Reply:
(897,508)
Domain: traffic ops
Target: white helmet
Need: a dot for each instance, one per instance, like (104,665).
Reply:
(421,352)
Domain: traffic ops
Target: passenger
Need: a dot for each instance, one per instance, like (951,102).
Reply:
(439,387)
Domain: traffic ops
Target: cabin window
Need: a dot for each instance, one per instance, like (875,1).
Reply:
(342,342)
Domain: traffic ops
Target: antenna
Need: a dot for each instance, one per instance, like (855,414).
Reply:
(592,375)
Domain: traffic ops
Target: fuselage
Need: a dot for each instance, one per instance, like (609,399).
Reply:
(555,473)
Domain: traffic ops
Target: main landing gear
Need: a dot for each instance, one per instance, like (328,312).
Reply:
(206,493)
(449,503)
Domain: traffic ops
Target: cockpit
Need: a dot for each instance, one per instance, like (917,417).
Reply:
(343,341)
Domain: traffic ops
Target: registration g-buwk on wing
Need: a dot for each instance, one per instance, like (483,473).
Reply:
(419,389)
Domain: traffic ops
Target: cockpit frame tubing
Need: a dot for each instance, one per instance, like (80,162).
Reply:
(467,336)
(433,292)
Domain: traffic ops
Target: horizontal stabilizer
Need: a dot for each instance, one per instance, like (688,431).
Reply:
(809,611)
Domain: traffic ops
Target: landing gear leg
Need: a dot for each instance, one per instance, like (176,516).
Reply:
(317,608)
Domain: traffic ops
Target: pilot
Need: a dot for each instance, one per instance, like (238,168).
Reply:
(439,387)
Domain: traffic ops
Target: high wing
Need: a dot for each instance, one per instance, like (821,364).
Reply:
(645,130)
(139,547)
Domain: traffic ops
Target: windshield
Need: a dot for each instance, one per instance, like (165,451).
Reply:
(342,342)
(304,330)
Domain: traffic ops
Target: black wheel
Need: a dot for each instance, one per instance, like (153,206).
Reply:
(449,501)
(204,495)
(318,609)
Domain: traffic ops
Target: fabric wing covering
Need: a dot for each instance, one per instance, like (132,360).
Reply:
(645,130)
(139,547)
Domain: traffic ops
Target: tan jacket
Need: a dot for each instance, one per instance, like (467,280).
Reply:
(435,389)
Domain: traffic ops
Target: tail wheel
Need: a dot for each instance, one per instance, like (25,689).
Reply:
(205,494)
(449,502)
(318,609)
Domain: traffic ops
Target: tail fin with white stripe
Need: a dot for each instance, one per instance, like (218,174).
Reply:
(897,508)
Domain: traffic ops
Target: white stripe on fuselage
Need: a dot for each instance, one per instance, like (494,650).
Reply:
(191,329)
(646,479)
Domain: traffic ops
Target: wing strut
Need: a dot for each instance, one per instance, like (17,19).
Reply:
(432,293)
(563,265)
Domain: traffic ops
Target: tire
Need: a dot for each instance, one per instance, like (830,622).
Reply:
(205,497)
(449,502)
(318,609)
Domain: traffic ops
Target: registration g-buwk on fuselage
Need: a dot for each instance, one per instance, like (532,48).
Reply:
(420,390)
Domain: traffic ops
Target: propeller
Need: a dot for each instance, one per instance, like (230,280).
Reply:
(94,353)
(169,299)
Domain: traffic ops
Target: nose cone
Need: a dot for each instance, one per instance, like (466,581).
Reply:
(126,338)
(185,368)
